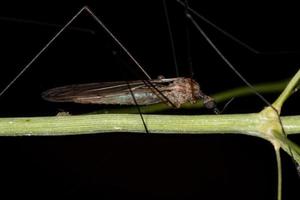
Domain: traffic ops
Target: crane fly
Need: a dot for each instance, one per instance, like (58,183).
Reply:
(173,91)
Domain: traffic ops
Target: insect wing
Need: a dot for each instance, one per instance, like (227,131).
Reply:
(108,92)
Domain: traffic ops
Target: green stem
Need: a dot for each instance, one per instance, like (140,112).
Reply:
(279,174)
(102,123)
(248,124)
(288,91)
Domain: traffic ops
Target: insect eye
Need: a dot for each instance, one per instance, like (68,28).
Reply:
(209,103)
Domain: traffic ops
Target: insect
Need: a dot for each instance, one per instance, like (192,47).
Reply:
(174,91)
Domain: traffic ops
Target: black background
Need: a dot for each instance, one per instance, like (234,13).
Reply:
(143,166)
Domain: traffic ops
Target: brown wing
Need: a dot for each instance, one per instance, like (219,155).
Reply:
(110,92)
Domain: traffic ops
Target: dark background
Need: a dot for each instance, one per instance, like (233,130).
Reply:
(143,166)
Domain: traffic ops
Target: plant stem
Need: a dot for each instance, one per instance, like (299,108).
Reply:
(279,173)
(248,124)
(103,123)
(288,91)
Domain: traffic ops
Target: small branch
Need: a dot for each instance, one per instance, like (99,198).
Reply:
(288,91)
(279,172)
